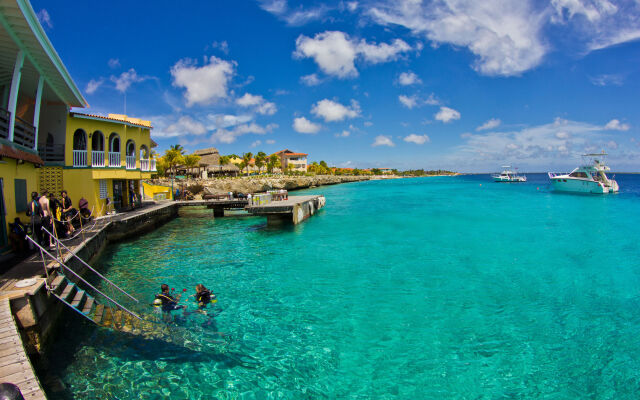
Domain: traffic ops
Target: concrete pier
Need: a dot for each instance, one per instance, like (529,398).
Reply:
(295,209)
(218,206)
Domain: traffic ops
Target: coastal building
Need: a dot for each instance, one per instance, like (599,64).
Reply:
(36,93)
(292,160)
(210,163)
(45,145)
(237,161)
(104,160)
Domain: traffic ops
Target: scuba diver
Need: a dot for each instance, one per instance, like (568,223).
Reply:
(167,302)
(204,297)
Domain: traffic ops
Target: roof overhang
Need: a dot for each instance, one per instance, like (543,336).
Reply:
(24,32)
(126,122)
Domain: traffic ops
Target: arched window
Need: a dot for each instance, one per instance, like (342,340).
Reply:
(144,152)
(131,148)
(131,154)
(97,141)
(79,140)
(114,143)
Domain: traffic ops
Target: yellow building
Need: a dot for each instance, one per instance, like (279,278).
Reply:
(44,145)
(104,160)
(36,93)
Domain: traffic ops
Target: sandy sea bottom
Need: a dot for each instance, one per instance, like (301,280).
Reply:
(448,288)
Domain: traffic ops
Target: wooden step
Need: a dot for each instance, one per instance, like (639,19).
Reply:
(68,291)
(77,300)
(57,283)
(108,316)
(88,305)
(117,319)
(97,313)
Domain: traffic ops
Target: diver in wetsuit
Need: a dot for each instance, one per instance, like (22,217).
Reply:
(167,302)
(204,297)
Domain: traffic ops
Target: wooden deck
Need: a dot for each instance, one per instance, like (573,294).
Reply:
(15,366)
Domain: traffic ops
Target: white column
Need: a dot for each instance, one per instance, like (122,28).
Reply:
(36,112)
(13,94)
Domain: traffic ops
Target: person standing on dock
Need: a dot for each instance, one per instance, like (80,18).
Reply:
(47,218)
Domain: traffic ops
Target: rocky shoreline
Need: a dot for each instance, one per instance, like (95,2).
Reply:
(255,184)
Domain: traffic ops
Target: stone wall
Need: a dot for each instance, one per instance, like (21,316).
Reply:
(255,184)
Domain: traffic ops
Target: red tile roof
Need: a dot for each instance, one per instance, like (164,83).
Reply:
(12,152)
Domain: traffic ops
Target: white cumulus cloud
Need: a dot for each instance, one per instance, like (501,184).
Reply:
(417,139)
(333,111)
(408,78)
(335,52)
(447,114)
(408,101)
(382,140)
(93,85)
(616,125)
(126,79)
(490,124)
(44,18)
(504,35)
(344,134)
(311,80)
(186,126)
(261,105)
(203,84)
(303,125)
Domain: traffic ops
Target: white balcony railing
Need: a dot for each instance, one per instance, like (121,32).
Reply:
(114,159)
(79,158)
(152,164)
(144,164)
(97,158)
(131,162)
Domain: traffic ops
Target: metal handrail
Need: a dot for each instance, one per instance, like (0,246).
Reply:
(89,266)
(82,279)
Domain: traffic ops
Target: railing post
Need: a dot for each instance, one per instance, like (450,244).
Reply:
(13,94)
(36,112)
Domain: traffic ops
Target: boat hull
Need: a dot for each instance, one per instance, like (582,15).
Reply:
(565,184)
(518,179)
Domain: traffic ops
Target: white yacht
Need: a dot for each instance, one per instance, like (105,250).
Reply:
(507,175)
(589,178)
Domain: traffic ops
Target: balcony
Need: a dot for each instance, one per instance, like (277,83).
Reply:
(79,158)
(114,159)
(24,133)
(4,123)
(152,164)
(52,153)
(97,158)
(144,164)
(131,162)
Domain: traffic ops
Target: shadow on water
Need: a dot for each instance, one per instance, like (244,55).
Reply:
(178,344)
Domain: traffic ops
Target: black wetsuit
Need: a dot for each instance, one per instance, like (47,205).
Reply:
(203,298)
(169,303)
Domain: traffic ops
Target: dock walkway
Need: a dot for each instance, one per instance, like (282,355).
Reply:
(15,366)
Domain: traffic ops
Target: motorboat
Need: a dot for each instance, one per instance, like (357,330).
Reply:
(508,175)
(591,177)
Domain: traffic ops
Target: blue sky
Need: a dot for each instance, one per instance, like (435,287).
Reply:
(453,84)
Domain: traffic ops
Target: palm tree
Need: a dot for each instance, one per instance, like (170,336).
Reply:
(173,157)
(261,158)
(246,158)
(177,148)
(272,162)
(191,161)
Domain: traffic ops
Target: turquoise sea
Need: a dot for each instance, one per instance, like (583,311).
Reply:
(425,288)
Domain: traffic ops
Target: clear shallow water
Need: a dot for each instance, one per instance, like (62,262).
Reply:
(452,287)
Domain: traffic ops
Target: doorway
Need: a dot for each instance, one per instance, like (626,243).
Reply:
(118,191)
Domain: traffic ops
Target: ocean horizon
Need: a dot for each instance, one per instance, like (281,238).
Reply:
(438,287)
